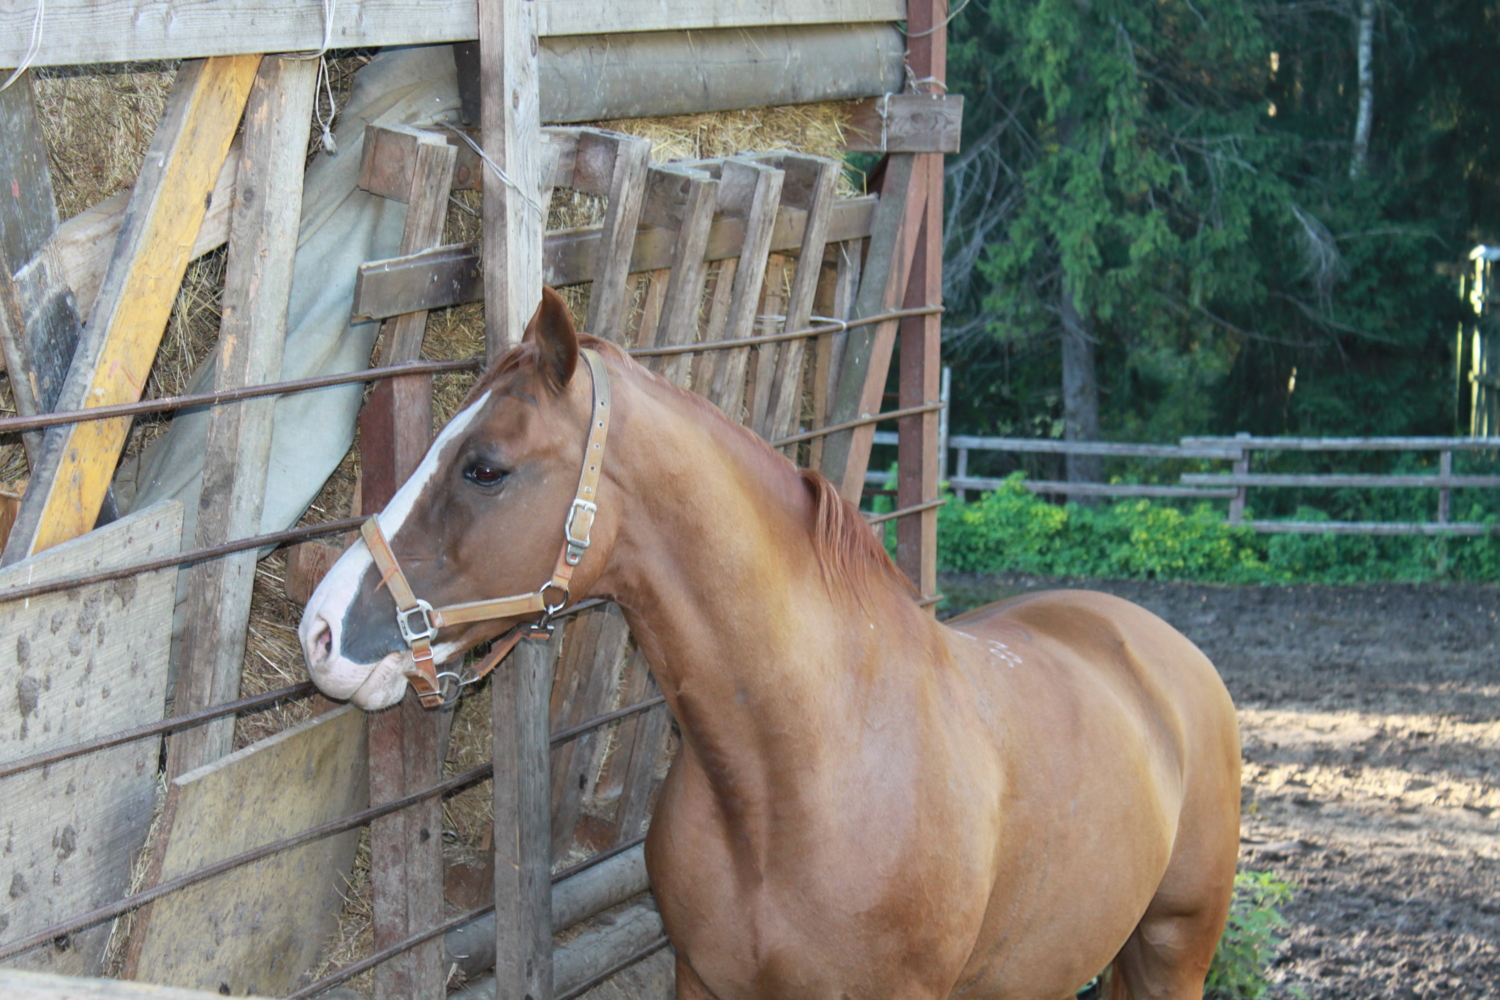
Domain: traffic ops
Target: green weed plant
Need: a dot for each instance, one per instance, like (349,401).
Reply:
(1251,939)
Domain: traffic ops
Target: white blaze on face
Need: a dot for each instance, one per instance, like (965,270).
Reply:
(369,685)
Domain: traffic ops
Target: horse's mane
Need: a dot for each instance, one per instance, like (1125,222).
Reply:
(848,551)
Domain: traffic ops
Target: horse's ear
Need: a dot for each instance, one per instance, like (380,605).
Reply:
(556,339)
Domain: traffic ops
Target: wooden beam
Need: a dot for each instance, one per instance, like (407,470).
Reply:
(867,351)
(686,199)
(28,211)
(520,690)
(919,448)
(514,218)
(608,299)
(906,123)
(81,248)
(450,275)
(89,31)
(752,191)
(114,357)
(18,985)
(257,289)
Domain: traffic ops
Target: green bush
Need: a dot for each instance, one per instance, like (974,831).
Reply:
(1250,938)
(1013,530)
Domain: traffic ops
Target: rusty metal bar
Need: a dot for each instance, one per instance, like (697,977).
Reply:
(573,732)
(598,859)
(156,728)
(834,326)
(913,509)
(619,966)
(879,418)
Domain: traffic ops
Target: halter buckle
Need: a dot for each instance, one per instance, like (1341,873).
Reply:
(586,510)
(403,621)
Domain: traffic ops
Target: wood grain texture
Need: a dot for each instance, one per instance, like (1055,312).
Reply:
(252,330)
(83,245)
(113,359)
(684,287)
(918,450)
(122,30)
(450,275)
(514,217)
(17,985)
(617,234)
(28,211)
(867,351)
(78,665)
(260,927)
(433,164)
(752,191)
(520,690)
(906,123)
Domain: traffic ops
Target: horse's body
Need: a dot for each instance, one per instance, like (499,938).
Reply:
(867,803)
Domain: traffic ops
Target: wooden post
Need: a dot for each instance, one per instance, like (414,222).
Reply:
(28,211)
(917,450)
(257,289)
(1445,494)
(1241,466)
(867,351)
(514,217)
(521,689)
(406,741)
(77,461)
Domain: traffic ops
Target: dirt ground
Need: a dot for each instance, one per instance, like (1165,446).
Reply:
(1370,718)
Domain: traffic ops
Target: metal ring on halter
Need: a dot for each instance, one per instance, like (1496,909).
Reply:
(458,687)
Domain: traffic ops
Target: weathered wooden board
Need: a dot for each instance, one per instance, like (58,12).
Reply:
(28,212)
(260,927)
(81,664)
(88,31)
(257,289)
(16,985)
(906,123)
(450,275)
(114,356)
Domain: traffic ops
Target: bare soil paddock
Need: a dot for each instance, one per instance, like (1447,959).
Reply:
(1371,725)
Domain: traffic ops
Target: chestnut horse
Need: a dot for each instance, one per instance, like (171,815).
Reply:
(867,803)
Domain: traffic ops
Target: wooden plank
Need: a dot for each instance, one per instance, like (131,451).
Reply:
(76,462)
(406,742)
(906,123)
(1372,528)
(82,246)
(1346,444)
(836,300)
(514,217)
(867,351)
(450,275)
(520,691)
(751,191)
(811,185)
(257,289)
(608,299)
(682,199)
(17,985)
(966,482)
(82,664)
(770,318)
(1060,447)
(1338,480)
(28,211)
(586,686)
(917,450)
(119,31)
(259,928)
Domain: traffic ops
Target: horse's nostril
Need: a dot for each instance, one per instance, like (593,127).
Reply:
(320,642)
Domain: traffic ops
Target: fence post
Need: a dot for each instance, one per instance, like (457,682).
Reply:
(962,472)
(1445,494)
(1242,466)
(944,397)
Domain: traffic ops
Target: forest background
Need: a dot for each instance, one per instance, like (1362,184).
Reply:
(1198,217)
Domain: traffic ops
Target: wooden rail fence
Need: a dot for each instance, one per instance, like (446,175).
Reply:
(1235,484)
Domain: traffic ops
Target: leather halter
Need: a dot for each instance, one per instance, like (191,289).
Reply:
(419,621)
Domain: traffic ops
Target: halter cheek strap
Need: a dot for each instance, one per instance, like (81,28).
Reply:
(419,621)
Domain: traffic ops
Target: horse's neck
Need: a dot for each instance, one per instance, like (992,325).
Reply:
(752,646)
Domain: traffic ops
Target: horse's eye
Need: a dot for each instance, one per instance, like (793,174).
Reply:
(482,473)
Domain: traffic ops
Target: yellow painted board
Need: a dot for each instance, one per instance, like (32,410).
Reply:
(166,211)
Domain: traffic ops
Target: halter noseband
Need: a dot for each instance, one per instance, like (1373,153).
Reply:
(419,621)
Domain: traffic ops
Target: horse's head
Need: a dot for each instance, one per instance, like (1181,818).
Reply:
(483,517)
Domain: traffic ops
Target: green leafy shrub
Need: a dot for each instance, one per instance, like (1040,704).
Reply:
(1013,530)
(1250,938)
